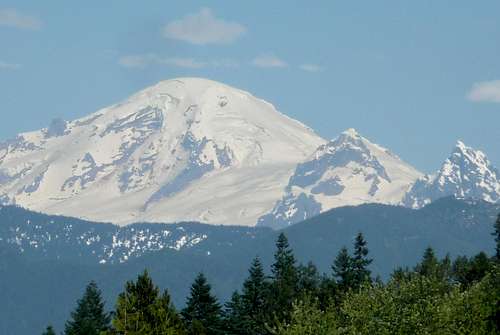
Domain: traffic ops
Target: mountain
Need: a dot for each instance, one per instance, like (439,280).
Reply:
(34,247)
(349,170)
(466,173)
(186,149)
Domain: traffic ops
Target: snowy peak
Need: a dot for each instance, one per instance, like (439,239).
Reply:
(183,149)
(466,173)
(348,170)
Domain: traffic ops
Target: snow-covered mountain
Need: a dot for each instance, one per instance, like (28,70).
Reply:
(184,149)
(349,170)
(466,173)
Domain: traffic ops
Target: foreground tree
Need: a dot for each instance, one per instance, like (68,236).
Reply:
(360,262)
(496,234)
(253,299)
(343,270)
(202,313)
(141,309)
(89,317)
(284,285)
(308,319)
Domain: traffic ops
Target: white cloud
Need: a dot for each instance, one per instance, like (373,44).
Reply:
(269,60)
(311,68)
(9,66)
(486,91)
(15,19)
(143,61)
(203,28)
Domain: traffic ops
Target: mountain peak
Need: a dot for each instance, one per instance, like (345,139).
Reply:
(348,170)
(466,173)
(351,132)
(160,154)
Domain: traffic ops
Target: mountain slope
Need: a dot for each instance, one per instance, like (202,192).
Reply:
(31,298)
(466,173)
(349,170)
(183,150)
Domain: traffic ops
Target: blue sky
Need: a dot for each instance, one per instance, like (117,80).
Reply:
(414,76)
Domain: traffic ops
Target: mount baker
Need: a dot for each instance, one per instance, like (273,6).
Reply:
(192,149)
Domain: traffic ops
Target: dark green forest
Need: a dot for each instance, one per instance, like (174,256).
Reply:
(436,296)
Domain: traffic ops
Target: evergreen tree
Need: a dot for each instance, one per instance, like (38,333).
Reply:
(89,317)
(343,270)
(429,264)
(49,331)
(253,299)
(141,309)
(361,261)
(202,309)
(496,234)
(309,280)
(235,317)
(467,272)
(284,286)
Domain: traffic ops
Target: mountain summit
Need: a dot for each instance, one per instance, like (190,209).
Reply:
(348,170)
(466,173)
(184,149)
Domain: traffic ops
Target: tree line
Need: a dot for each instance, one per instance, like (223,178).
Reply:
(437,296)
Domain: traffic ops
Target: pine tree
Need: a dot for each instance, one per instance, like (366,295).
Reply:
(343,270)
(361,261)
(202,309)
(235,317)
(89,317)
(496,234)
(49,331)
(309,280)
(284,287)
(141,309)
(253,299)
(429,264)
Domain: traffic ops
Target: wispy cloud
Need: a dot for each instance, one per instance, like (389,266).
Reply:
(203,28)
(9,66)
(269,61)
(311,67)
(143,61)
(486,91)
(14,18)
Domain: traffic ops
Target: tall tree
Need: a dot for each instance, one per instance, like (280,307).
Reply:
(429,264)
(309,280)
(284,286)
(49,331)
(141,309)
(361,261)
(343,270)
(235,317)
(89,317)
(253,298)
(496,234)
(202,310)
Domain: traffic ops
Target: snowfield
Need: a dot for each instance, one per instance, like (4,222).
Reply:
(191,149)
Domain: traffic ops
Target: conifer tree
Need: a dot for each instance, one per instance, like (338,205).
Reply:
(429,264)
(141,309)
(343,269)
(496,234)
(89,317)
(49,331)
(235,317)
(284,286)
(361,261)
(255,290)
(202,309)
(309,280)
